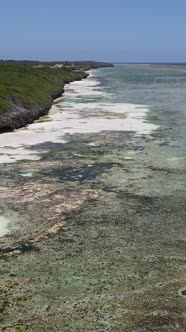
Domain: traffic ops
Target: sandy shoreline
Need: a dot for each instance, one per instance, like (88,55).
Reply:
(70,117)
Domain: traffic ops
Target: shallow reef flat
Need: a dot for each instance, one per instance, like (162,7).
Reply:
(96,236)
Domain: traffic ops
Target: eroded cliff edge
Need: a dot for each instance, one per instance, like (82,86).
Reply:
(27,89)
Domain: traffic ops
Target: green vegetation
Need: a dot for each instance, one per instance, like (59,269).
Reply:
(32,86)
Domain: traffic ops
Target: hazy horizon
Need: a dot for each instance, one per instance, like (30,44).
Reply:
(99,60)
(123,31)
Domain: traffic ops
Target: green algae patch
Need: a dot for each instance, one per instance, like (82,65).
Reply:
(17,328)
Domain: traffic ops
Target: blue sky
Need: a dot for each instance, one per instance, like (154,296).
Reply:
(108,30)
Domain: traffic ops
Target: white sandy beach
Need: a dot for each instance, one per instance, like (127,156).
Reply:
(65,118)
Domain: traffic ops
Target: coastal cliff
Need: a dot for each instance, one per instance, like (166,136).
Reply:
(27,89)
